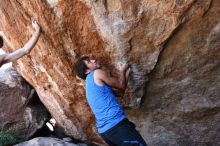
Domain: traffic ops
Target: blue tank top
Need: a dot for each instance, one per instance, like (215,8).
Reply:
(103,103)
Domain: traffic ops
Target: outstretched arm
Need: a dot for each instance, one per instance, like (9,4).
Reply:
(123,75)
(27,47)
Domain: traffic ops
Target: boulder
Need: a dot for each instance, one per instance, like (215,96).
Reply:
(21,112)
(45,141)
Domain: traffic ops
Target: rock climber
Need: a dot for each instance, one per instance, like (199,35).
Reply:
(111,121)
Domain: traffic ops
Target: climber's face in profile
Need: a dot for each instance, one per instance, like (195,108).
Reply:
(91,65)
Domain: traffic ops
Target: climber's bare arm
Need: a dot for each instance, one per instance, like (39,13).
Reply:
(27,47)
(119,82)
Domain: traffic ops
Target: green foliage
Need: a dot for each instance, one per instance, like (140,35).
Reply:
(8,137)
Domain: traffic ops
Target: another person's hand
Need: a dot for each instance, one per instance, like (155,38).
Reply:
(35,25)
(123,66)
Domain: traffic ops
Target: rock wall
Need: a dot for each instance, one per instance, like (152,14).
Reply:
(172,48)
(182,101)
(20,107)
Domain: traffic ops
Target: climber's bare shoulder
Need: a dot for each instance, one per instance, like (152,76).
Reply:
(103,77)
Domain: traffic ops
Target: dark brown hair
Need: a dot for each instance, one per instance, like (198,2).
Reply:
(80,67)
(1,42)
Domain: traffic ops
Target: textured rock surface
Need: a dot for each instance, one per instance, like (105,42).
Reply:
(45,141)
(17,107)
(172,48)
